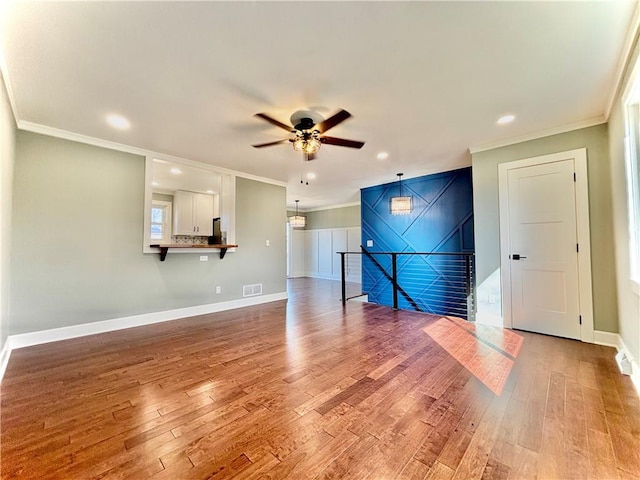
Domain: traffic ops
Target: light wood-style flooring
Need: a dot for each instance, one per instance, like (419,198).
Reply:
(304,389)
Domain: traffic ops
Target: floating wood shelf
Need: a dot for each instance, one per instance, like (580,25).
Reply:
(164,249)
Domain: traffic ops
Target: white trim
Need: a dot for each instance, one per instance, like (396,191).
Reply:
(97,142)
(623,61)
(615,340)
(7,83)
(4,357)
(607,339)
(584,240)
(583,235)
(65,333)
(635,367)
(318,209)
(505,242)
(227,205)
(590,122)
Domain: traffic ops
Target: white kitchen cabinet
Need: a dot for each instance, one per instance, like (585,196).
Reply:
(192,213)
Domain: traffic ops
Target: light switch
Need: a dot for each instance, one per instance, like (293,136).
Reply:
(204,258)
(369,243)
(218,289)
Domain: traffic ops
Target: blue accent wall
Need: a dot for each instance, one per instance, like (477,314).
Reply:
(441,221)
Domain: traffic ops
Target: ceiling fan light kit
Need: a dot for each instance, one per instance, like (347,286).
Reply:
(307,142)
(308,136)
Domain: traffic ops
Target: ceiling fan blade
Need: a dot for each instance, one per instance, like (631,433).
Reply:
(268,144)
(273,121)
(332,121)
(341,142)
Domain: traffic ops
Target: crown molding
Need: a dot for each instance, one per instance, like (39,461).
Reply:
(77,137)
(591,122)
(331,207)
(623,61)
(4,71)
(98,142)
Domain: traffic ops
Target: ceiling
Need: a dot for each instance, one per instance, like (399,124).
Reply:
(167,177)
(424,81)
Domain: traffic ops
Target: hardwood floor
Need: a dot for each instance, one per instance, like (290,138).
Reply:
(305,389)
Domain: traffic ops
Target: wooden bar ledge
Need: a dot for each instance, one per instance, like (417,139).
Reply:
(164,249)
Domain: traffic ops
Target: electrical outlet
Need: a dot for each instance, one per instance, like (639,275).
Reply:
(218,289)
(266,243)
(204,258)
(369,243)
(492,298)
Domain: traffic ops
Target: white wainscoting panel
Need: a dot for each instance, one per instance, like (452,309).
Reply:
(320,257)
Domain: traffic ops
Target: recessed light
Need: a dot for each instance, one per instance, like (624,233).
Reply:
(176,171)
(506,119)
(311,176)
(210,191)
(118,121)
(155,184)
(382,156)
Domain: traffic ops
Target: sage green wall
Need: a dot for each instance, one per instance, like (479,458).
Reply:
(7,160)
(77,236)
(628,301)
(334,217)
(162,197)
(485,200)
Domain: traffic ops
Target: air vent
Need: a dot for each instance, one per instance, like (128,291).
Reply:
(252,290)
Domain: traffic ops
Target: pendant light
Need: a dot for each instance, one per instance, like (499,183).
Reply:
(297,221)
(401,205)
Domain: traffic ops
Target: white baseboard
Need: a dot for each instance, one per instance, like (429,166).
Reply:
(615,340)
(65,333)
(607,339)
(4,357)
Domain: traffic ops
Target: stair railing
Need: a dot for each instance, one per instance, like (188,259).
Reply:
(435,282)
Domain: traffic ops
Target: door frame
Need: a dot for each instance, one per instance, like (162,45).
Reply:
(585,294)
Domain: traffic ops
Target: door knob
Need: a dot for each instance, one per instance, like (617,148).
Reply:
(516,256)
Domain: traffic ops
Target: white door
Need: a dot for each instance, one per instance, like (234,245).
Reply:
(543,258)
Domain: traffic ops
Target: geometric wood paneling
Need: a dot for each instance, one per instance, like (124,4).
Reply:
(441,221)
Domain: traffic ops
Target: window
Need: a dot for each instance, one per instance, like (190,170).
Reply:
(632,161)
(161,221)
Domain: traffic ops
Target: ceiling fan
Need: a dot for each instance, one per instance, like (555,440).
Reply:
(308,136)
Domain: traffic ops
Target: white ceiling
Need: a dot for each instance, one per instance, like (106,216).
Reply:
(168,177)
(424,81)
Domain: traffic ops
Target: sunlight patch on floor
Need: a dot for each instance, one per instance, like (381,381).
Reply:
(487,352)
